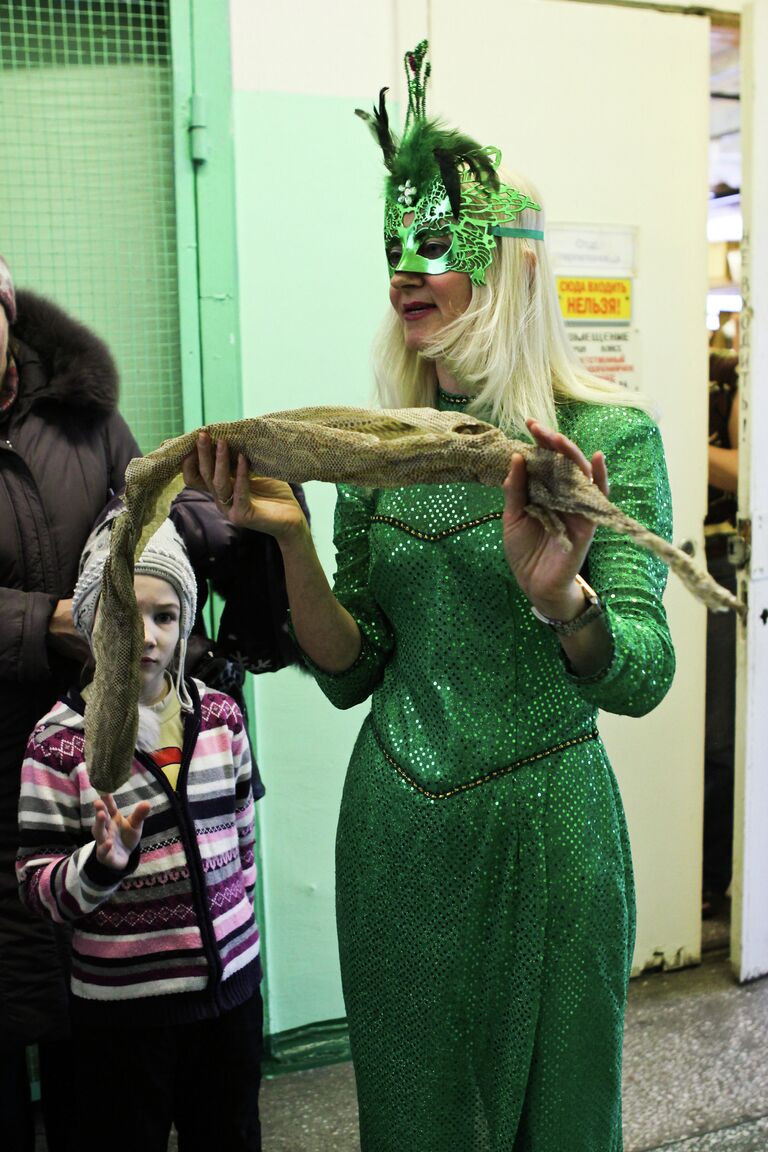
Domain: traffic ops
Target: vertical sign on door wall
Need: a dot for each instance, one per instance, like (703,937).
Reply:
(594,267)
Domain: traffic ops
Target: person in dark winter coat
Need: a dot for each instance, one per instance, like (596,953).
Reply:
(63,452)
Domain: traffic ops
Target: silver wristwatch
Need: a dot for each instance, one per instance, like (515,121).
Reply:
(593,609)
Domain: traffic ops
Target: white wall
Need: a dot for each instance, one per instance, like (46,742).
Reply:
(606,108)
(750,912)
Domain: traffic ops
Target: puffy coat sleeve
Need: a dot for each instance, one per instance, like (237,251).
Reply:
(351,586)
(24,620)
(121,449)
(25,615)
(629,579)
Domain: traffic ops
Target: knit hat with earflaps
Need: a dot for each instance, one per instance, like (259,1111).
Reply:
(7,292)
(164,557)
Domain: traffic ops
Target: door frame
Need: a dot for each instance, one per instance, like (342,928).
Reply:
(207,262)
(749,925)
(205,191)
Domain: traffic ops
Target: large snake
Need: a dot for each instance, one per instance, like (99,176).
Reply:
(387,448)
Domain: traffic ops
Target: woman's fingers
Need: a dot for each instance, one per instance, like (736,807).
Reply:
(205,459)
(600,472)
(223,486)
(209,469)
(516,487)
(241,491)
(190,470)
(556,442)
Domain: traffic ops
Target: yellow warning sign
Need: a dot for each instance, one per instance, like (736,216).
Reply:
(585,298)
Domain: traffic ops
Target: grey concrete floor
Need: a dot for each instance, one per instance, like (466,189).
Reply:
(695,1071)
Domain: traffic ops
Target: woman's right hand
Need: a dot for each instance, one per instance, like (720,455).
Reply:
(323,628)
(247,501)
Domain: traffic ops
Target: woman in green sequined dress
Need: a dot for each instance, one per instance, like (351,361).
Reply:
(484,883)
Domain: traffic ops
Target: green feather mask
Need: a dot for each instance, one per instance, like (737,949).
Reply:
(445,205)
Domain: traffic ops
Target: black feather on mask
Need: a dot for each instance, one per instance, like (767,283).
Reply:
(379,126)
(427,148)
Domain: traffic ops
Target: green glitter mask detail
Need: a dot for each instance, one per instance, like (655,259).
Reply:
(444,184)
(472,237)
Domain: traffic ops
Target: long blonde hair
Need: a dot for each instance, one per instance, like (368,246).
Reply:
(509,349)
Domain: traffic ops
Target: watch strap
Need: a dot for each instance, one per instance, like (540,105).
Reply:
(593,609)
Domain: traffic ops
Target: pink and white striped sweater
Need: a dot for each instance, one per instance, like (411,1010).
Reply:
(174,936)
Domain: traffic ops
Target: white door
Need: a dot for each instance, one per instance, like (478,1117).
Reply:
(607,110)
(749,932)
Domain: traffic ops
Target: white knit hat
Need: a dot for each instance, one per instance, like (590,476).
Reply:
(164,557)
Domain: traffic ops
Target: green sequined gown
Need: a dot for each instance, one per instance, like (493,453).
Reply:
(484,882)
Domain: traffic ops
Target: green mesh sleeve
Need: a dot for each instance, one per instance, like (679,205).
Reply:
(629,580)
(351,587)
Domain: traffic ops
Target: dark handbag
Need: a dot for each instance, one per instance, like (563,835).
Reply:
(246,569)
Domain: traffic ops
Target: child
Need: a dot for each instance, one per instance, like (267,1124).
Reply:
(157,882)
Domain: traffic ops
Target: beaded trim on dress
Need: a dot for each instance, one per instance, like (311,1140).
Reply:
(444,397)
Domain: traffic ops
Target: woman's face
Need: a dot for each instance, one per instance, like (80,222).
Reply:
(426,303)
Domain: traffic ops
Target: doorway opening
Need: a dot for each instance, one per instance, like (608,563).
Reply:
(724,233)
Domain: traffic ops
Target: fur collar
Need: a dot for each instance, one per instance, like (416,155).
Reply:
(79,369)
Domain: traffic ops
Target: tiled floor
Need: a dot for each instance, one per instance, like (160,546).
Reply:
(695,1070)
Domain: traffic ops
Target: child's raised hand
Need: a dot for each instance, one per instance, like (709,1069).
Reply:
(116,835)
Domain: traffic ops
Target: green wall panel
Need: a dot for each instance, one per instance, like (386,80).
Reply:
(313,287)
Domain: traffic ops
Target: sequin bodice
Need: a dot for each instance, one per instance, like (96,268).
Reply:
(464,680)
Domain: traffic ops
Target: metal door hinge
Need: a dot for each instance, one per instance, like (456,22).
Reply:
(199,145)
(740,544)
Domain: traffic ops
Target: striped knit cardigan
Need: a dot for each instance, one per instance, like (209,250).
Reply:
(173,937)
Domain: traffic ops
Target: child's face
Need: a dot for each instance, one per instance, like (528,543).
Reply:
(160,613)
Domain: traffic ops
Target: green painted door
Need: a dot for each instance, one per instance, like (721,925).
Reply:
(96,204)
(117,193)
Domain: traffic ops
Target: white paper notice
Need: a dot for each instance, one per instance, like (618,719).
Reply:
(611,353)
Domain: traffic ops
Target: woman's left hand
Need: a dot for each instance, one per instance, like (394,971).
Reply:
(543,570)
